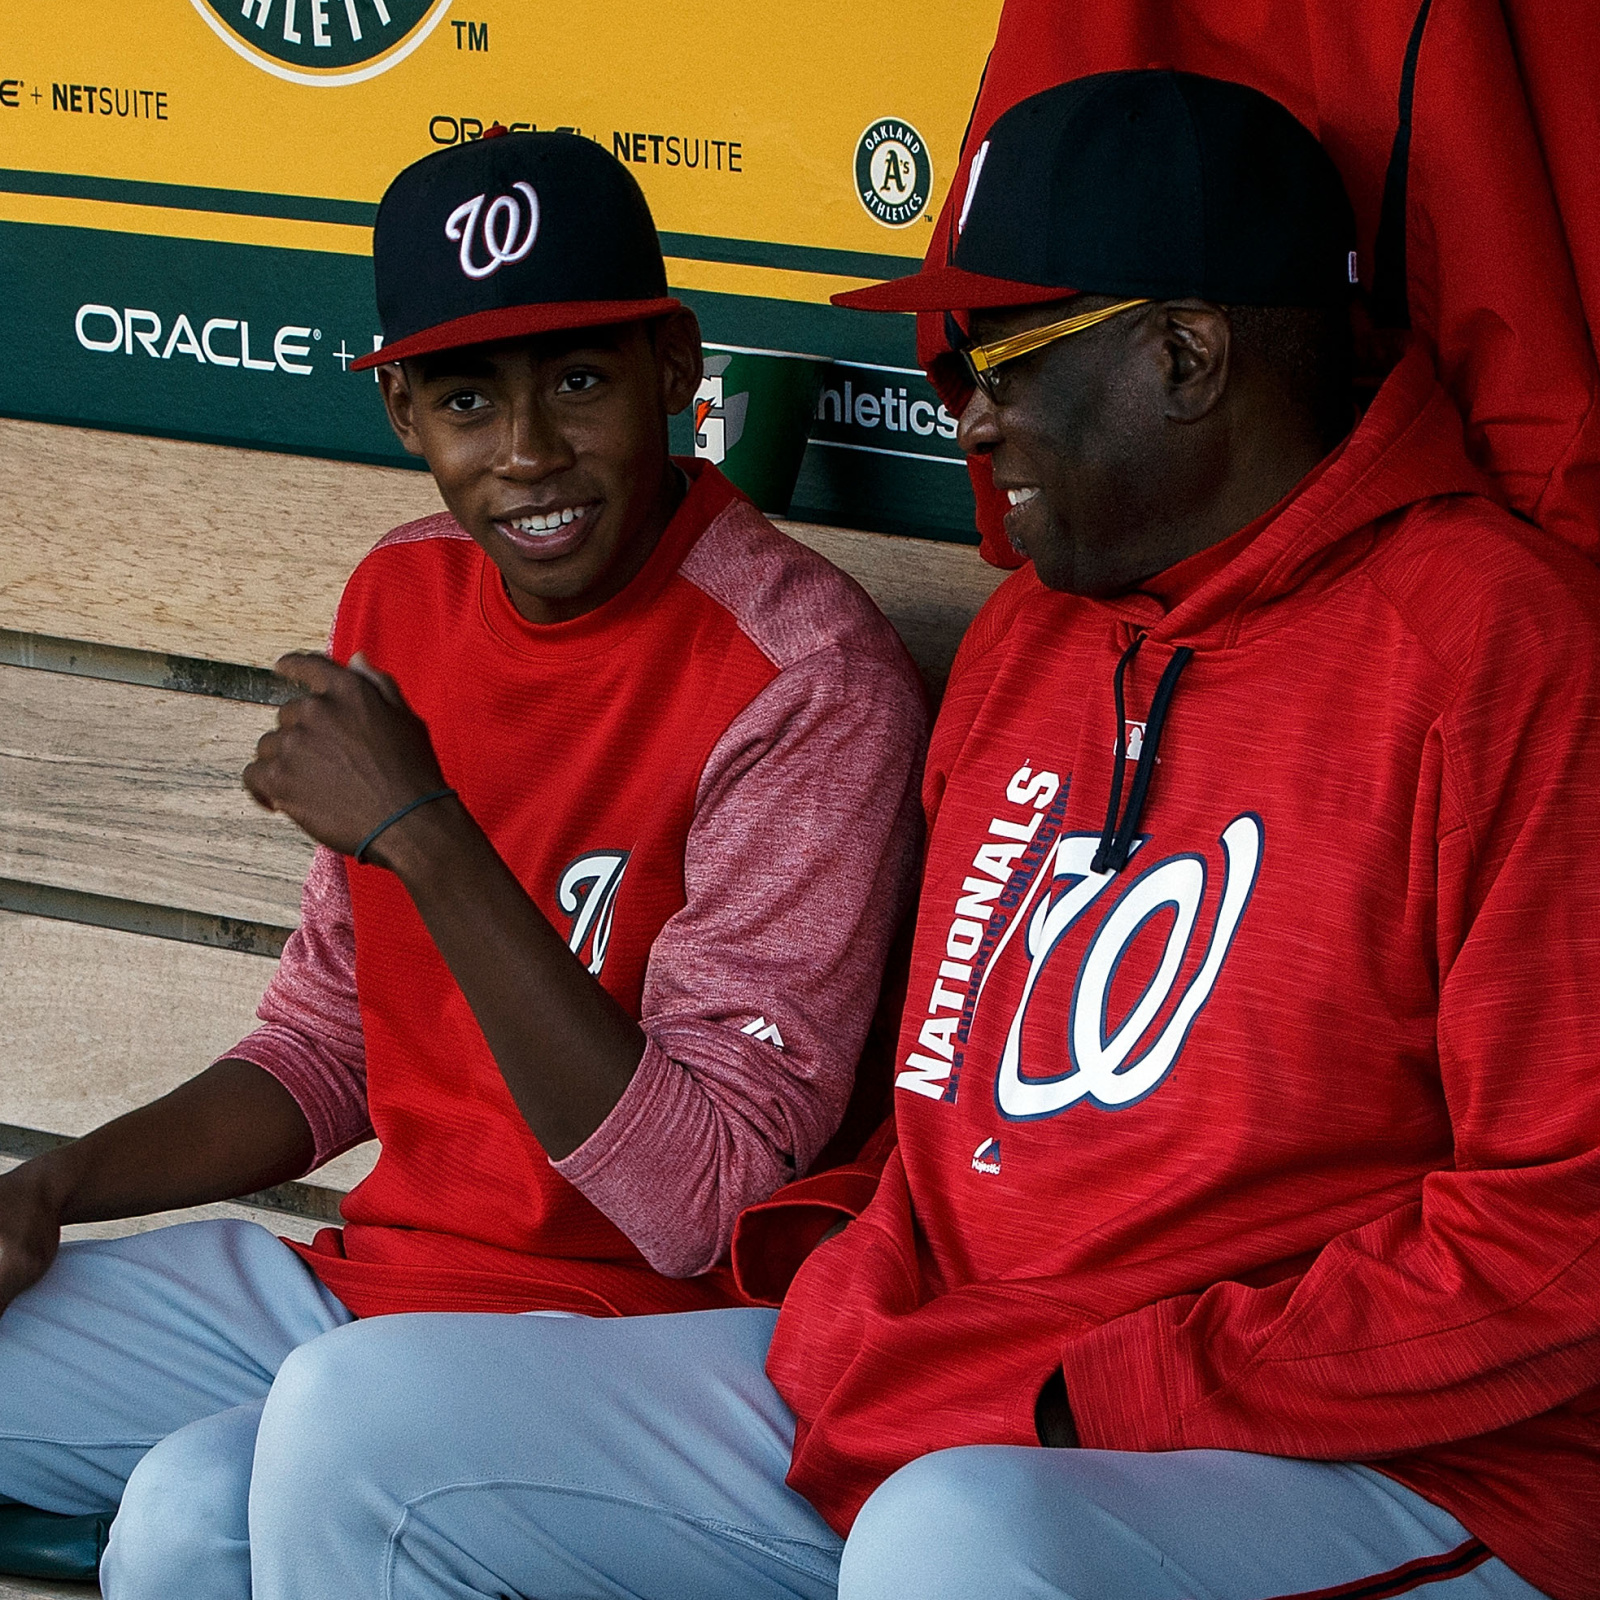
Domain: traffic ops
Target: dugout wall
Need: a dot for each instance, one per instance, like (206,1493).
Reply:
(187,189)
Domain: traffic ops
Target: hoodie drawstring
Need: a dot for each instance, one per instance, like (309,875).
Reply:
(1117,840)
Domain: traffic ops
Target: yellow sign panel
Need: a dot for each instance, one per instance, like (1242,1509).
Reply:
(739,121)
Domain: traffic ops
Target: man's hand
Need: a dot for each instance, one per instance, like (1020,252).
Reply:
(345,756)
(30,1232)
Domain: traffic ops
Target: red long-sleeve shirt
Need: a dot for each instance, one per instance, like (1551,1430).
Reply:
(709,785)
(1286,1138)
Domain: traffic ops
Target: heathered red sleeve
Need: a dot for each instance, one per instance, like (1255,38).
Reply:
(1478,1306)
(310,1039)
(799,866)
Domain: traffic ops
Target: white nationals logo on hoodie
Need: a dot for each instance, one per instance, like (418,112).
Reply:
(1034,913)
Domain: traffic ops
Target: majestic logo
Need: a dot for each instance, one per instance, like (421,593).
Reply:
(986,1158)
(718,418)
(766,1032)
(894,173)
(587,892)
(1115,1068)
(507,235)
(323,42)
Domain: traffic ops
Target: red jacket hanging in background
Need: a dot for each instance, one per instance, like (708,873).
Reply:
(1498,257)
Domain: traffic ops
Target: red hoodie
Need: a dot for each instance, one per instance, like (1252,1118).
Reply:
(1286,1137)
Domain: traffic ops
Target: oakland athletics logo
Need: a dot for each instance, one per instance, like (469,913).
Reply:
(894,174)
(507,235)
(587,892)
(323,42)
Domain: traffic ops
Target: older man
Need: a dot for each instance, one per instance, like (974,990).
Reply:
(1247,1114)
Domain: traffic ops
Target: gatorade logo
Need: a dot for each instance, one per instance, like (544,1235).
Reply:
(718,417)
(894,173)
(323,42)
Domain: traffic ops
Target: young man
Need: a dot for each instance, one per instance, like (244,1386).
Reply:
(1247,1113)
(614,787)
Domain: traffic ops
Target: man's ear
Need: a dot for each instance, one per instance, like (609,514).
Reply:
(680,358)
(399,402)
(1196,351)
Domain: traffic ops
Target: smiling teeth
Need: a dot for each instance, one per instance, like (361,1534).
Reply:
(546,524)
(1020,497)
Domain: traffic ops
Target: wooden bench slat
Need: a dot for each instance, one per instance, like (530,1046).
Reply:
(120,663)
(238,555)
(192,549)
(133,792)
(95,1022)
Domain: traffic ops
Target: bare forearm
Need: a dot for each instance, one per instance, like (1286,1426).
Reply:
(568,1071)
(351,753)
(232,1129)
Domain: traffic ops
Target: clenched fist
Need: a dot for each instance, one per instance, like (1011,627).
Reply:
(345,756)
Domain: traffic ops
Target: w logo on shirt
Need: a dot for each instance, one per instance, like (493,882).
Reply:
(587,892)
(1114,1066)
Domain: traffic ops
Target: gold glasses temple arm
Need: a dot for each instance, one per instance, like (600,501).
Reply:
(984,356)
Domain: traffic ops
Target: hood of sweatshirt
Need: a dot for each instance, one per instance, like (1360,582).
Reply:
(1408,447)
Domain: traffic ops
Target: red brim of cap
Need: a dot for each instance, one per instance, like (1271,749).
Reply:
(517,322)
(949,289)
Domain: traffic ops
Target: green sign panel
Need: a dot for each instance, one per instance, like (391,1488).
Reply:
(237,344)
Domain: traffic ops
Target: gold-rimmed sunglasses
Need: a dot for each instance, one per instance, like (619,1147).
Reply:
(982,359)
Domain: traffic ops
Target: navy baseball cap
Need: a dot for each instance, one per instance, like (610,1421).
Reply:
(510,235)
(1151,184)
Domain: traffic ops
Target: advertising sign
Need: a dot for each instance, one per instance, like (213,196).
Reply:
(187,189)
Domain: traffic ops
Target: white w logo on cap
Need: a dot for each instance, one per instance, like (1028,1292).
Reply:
(502,223)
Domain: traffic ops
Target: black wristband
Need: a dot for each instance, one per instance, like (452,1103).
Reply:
(360,851)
